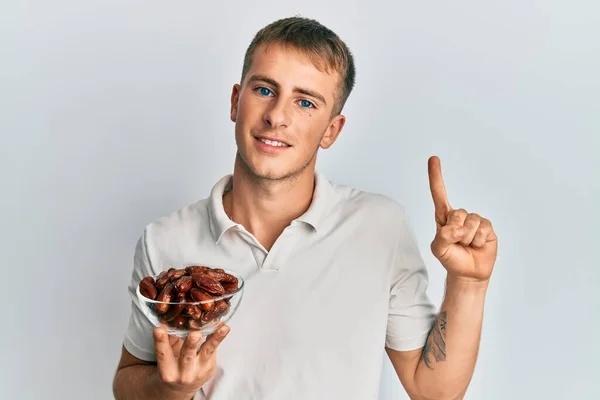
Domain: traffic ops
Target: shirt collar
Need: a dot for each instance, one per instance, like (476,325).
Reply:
(319,206)
(314,216)
(218,219)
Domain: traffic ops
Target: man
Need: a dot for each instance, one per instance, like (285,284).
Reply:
(333,274)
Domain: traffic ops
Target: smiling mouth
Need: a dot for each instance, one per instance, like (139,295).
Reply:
(273,143)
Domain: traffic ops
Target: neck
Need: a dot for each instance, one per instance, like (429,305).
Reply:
(266,207)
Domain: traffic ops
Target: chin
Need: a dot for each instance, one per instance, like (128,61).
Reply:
(262,171)
(267,168)
(271,174)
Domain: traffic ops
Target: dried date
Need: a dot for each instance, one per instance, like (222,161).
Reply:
(149,279)
(175,274)
(176,309)
(209,316)
(196,269)
(211,285)
(201,295)
(162,280)
(174,288)
(222,276)
(184,284)
(179,322)
(195,323)
(192,311)
(147,288)
(164,297)
(221,307)
(229,287)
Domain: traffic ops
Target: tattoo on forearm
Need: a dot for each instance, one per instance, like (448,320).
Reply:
(435,347)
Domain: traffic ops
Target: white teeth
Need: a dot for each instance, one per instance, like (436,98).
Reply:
(273,143)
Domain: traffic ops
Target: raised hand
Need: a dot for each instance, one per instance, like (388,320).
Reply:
(184,366)
(465,243)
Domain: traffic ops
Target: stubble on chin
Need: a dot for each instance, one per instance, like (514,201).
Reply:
(255,176)
(270,178)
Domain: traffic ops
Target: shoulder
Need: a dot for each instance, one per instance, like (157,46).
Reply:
(190,220)
(372,209)
(358,200)
(164,238)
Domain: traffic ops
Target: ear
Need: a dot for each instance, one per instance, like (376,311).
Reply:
(235,96)
(333,130)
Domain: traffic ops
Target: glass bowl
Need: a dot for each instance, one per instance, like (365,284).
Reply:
(179,318)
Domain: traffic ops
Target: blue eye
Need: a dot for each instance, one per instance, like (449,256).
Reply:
(306,104)
(264,91)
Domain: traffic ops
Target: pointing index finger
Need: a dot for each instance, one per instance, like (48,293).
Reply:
(438,190)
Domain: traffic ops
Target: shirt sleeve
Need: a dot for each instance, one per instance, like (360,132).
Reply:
(411,313)
(138,337)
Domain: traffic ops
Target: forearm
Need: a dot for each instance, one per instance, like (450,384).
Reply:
(450,353)
(138,382)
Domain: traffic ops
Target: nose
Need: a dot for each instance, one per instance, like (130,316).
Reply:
(277,115)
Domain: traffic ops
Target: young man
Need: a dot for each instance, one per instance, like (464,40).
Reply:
(333,274)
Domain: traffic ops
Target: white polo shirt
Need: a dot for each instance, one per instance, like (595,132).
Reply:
(340,283)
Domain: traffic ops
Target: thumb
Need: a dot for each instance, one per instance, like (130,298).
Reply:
(445,237)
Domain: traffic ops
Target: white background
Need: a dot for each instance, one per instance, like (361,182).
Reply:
(115,113)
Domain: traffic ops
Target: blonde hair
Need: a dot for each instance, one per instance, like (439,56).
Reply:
(323,47)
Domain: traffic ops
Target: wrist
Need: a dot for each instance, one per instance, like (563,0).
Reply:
(465,284)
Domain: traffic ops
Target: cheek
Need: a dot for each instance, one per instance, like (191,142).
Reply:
(317,126)
(242,108)
(251,104)
(243,105)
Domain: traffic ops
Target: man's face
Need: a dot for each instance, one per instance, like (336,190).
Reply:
(282,113)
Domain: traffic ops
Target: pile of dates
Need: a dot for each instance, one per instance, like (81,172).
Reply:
(189,285)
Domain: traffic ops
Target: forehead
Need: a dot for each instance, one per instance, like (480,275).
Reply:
(291,67)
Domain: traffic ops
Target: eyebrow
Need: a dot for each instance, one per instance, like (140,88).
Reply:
(296,89)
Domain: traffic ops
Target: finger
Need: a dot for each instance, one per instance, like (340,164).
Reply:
(209,347)
(484,234)
(457,217)
(471,224)
(189,351)
(173,340)
(165,359)
(176,344)
(446,237)
(438,190)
